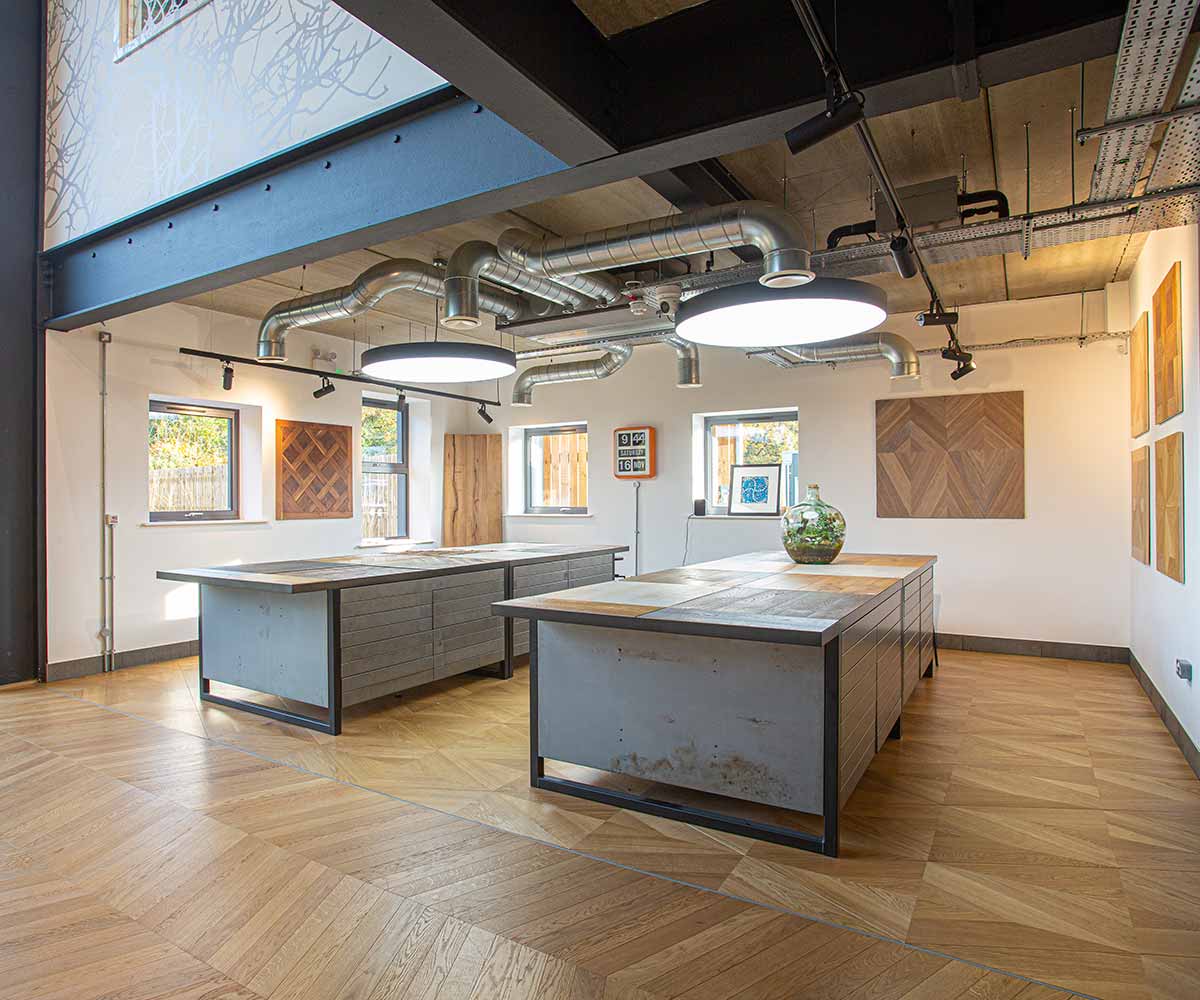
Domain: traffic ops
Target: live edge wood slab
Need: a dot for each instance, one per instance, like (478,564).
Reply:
(337,631)
(755,681)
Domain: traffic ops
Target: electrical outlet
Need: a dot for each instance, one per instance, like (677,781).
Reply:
(1183,668)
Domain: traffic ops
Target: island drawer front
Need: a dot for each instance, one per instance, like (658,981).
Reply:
(548,576)
(378,591)
(359,695)
(376,655)
(586,570)
(912,591)
(376,627)
(888,681)
(911,664)
(860,630)
(395,672)
(856,719)
(467,598)
(520,637)
(927,577)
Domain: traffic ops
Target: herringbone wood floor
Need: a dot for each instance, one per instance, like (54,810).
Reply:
(138,862)
(1035,818)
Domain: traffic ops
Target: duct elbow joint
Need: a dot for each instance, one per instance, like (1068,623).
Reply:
(462,284)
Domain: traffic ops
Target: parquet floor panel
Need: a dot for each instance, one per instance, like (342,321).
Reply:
(1035,817)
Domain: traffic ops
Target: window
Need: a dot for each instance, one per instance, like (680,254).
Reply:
(193,462)
(556,469)
(749,439)
(141,20)
(384,447)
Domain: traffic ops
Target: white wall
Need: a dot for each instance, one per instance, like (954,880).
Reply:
(143,360)
(1166,614)
(1060,574)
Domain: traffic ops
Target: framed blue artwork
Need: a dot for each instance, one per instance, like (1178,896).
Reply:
(754,489)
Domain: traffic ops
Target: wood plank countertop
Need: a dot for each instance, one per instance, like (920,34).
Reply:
(759,595)
(387,564)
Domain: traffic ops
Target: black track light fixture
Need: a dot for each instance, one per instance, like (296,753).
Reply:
(964,368)
(953,352)
(838,115)
(903,257)
(227,376)
(936,316)
(326,388)
(482,411)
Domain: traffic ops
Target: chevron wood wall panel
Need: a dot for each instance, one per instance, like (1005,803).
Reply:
(1168,348)
(1140,474)
(951,456)
(1168,505)
(1139,377)
(314,470)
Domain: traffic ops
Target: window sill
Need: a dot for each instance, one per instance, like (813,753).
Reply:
(735,517)
(570,516)
(379,543)
(201,524)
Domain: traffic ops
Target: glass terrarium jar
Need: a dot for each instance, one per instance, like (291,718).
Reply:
(813,531)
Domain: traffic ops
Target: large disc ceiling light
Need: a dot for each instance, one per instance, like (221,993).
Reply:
(438,361)
(750,315)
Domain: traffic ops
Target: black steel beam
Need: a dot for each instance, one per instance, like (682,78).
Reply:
(719,77)
(540,66)
(697,185)
(22,404)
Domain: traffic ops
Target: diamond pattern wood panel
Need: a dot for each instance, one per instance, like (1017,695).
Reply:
(951,456)
(1139,377)
(1168,348)
(314,470)
(1168,505)
(1140,472)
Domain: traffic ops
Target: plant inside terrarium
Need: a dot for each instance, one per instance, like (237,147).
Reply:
(813,531)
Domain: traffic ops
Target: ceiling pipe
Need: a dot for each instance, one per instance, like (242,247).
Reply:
(365,292)
(769,228)
(478,258)
(898,351)
(612,360)
(687,361)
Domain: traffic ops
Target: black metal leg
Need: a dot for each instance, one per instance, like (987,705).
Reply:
(334,691)
(897,730)
(830,764)
(537,765)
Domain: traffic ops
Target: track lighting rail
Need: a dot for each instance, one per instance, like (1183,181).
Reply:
(417,390)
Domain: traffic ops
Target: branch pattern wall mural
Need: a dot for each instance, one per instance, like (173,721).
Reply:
(234,81)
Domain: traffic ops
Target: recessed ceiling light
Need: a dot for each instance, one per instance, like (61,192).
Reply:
(750,315)
(438,361)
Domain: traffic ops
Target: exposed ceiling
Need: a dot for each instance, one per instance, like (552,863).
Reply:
(826,186)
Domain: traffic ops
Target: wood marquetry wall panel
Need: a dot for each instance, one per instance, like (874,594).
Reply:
(314,470)
(951,456)
(1168,348)
(1140,508)
(1139,377)
(1168,505)
(472,485)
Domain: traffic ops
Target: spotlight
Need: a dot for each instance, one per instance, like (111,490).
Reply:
(964,368)
(936,317)
(227,377)
(904,257)
(954,352)
(482,411)
(846,112)
(326,388)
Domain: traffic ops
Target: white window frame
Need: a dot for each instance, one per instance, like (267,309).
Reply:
(781,414)
(546,430)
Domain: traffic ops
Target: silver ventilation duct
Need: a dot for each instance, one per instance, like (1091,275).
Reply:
(365,292)
(687,360)
(769,228)
(896,350)
(478,258)
(612,360)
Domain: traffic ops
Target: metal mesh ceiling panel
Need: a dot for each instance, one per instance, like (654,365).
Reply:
(1152,42)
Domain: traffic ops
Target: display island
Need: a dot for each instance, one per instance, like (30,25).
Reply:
(752,678)
(341,630)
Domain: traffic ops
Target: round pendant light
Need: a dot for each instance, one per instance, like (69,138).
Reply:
(438,361)
(750,315)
